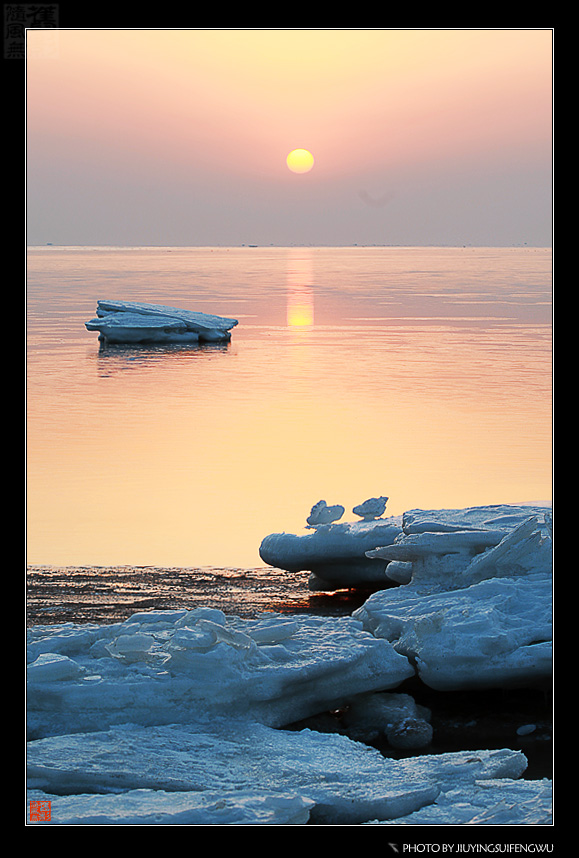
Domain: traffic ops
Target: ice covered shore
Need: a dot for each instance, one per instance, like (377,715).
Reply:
(358,554)
(475,606)
(124,322)
(189,717)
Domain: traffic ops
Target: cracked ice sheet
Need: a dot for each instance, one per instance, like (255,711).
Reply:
(348,783)
(491,802)
(504,516)
(159,667)
(151,807)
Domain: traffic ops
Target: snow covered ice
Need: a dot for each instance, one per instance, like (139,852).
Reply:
(475,610)
(193,717)
(490,802)
(337,780)
(124,322)
(159,667)
(335,554)
(371,508)
(321,513)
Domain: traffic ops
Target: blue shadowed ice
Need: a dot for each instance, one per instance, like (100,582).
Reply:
(183,717)
(126,322)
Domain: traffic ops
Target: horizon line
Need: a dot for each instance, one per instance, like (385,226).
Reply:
(294,244)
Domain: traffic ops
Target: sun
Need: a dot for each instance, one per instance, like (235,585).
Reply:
(300,161)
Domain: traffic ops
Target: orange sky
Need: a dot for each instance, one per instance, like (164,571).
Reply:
(179,121)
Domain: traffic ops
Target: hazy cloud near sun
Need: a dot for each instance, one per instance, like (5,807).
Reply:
(376,201)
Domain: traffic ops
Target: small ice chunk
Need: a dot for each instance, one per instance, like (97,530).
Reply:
(371,508)
(321,513)
(53,667)
(391,716)
(526,729)
(399,571)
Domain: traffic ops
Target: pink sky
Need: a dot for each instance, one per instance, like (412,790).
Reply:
(181,136)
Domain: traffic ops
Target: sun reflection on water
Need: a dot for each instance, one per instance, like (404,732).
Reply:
(300,290)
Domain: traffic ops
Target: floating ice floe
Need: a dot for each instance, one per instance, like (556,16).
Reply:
(335,553)
(125,322)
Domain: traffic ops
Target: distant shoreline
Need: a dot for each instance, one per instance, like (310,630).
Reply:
(36,246)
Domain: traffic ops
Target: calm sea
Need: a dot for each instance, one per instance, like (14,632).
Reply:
(423,374)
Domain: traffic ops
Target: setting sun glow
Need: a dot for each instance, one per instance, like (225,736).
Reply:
(300,161)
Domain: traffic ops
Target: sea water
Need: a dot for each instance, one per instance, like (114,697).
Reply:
(423,374)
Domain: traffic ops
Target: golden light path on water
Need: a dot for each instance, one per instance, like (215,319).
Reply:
(422,375)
